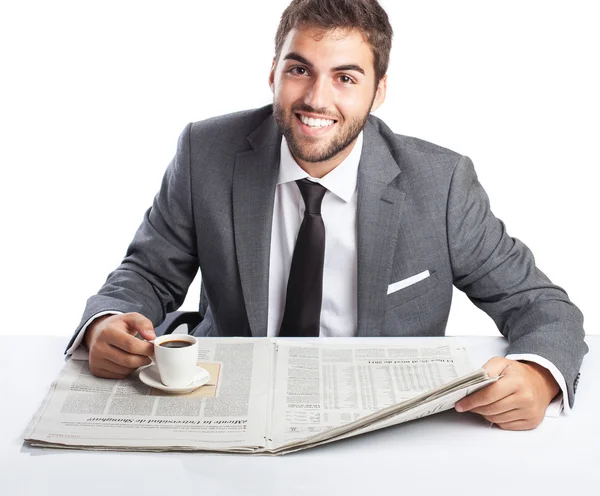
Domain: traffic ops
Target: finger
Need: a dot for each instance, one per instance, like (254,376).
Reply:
(129,343)
(108,374)
(496,366)
(486,396)
(506,404)
(519,425)
(117,368)
(106,369)
(99,361)
(505,417)
(137,323)
(123,358)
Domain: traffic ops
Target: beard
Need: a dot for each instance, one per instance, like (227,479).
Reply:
(311,149)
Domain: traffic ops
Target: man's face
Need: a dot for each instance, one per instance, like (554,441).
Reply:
(323,90)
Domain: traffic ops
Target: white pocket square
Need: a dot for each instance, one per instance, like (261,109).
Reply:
(409,281)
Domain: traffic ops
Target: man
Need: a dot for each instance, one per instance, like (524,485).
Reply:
(310,217)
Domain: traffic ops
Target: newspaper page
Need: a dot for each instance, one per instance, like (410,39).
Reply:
(320,388)
(421,406)
(228,413)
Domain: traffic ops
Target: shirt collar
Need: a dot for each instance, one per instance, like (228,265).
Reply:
(341,181)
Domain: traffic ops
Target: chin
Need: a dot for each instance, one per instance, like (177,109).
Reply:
(312,154)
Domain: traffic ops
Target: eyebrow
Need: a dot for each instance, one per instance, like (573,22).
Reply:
(349,67)
(346,67)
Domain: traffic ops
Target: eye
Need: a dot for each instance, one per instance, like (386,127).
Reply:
(298,71)
(344,78)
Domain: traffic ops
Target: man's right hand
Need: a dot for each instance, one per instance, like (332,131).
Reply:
(115,352)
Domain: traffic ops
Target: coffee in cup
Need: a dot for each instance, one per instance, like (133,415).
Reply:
(175,343)
(176,357)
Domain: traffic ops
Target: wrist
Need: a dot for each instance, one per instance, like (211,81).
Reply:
(91,330)
(545,376)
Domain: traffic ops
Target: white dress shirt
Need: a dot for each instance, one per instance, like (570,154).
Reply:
(338,210)
(339,213)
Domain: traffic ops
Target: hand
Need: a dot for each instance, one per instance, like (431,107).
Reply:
(518,400)
(115,352)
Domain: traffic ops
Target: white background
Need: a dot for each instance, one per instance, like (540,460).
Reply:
(93,96)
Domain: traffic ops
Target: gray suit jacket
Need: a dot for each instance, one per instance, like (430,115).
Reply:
(420,207)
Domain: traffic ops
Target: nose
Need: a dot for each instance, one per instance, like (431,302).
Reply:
(319,94)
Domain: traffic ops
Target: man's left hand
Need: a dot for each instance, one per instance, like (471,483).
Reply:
(518,400)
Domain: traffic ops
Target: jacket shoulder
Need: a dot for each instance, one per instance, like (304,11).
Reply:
(408,150)
(230,130)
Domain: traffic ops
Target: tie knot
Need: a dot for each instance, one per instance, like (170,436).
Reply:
(313,194)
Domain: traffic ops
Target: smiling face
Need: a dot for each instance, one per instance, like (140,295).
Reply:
(323,90)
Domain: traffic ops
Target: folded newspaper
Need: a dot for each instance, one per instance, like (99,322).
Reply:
(270,396)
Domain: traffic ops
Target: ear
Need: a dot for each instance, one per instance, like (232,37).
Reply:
(272,77)
(380,93)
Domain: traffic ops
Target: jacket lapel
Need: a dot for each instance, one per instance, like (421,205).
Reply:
(378,211)
(379,205)
(254,182)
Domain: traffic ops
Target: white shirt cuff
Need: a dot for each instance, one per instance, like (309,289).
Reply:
(561,402)
(78,351)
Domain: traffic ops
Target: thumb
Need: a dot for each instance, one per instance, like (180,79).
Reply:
(496,366)
(138,324)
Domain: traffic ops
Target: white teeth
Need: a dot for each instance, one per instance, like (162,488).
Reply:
(316,123)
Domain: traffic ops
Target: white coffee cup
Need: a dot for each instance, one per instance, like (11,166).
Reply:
(176,356)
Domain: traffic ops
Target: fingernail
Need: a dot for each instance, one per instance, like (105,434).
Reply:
(459,408)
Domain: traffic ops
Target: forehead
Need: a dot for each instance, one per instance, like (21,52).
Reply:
(329,48)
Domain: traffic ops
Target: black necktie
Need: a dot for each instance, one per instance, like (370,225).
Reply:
(302,313)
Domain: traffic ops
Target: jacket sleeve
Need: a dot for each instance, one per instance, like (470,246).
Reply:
(161,261)
(499,275)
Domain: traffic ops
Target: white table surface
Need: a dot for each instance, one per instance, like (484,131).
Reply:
(448,453)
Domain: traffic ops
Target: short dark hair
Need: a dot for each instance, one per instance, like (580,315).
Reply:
(365,15)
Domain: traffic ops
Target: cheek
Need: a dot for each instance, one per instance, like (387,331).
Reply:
(279,95)
(352,103)
(287,92)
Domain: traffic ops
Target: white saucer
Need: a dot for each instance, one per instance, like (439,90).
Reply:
(151,377)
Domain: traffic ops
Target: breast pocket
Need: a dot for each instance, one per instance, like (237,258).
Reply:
(408,289)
